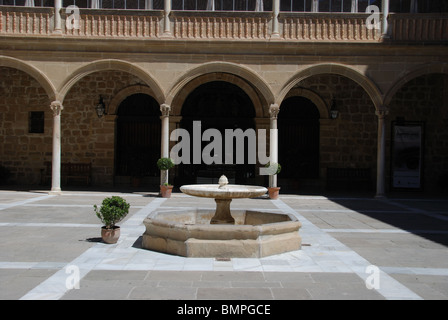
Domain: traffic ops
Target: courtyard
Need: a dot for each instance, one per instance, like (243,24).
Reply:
(353,247)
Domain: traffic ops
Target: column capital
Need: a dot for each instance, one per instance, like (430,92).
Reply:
(165,109)
(56,107)
(382,112)
(274,109)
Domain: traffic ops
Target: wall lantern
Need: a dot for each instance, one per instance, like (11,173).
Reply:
(333,112)
(100,108)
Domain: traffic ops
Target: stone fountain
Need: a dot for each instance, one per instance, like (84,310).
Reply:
(221,233)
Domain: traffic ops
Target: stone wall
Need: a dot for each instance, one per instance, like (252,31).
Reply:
(350,141)
(85,137)
(23,153)
(425,99)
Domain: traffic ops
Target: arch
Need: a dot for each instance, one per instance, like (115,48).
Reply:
(39,76)
(232,72)
(320,104)
(338,69)
(219,106)
(126,92)
(178,101)
(417,72)
(115,65)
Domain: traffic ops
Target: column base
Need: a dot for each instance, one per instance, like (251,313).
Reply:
(167,35)
(275,36)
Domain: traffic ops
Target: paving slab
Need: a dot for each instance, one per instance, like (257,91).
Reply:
(47,240)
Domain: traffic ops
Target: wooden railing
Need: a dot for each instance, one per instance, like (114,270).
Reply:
(207,25)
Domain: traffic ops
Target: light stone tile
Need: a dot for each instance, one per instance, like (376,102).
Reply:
(326,254)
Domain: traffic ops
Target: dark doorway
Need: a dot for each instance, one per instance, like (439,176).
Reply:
(218,105)
(298,146)
(138,137)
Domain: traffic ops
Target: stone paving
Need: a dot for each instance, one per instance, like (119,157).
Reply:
(353,248)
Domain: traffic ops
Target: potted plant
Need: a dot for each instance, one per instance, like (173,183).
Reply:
(165,190)
(274,169)
(164,164)
(112,210)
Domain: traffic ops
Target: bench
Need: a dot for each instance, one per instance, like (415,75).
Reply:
(70,172)
(349,179)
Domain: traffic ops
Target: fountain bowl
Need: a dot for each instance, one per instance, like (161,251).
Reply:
(188,233)
(228,191)
(223,194)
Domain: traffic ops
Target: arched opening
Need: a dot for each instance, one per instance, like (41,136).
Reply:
(298,146)
(217,105)
(138,139)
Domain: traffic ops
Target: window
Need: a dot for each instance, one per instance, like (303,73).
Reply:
(36,122)
(327,5)
(118,4)
(419,6)
(222,5)
(363,4)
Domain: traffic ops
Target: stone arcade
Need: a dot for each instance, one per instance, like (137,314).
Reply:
(333,87)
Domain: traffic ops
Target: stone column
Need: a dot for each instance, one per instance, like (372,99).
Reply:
(354,6)
(57,108)
(385,24)
(315,6)
(57,16)
(381,153)
(414,6)
(165,139)
(275,24)
(167,22)
(273,141)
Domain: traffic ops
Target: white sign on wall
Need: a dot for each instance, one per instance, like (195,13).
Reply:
(407,155)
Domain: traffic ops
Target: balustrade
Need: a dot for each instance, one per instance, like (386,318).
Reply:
(215,25)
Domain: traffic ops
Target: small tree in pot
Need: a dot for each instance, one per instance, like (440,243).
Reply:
(273,169)
(112,210)
(165,164)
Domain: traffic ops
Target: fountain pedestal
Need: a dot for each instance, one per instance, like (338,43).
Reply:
(222,213)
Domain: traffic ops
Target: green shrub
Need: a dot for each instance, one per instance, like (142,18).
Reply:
(112,210)
(165,163)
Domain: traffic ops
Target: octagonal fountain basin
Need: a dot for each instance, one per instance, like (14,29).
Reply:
(254,234)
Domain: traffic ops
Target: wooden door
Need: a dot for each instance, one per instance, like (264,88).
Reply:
(138,137)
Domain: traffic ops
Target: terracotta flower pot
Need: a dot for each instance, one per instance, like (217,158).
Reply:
(273,192)
(110,235)
(165,191)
